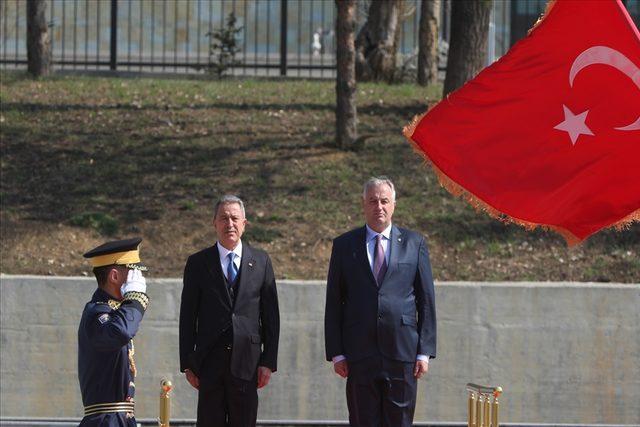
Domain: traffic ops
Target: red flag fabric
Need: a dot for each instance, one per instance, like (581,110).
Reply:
(550,133)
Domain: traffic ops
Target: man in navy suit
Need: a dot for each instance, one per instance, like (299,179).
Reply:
(229,322)
(380,318)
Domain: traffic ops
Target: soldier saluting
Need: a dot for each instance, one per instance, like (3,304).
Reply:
(106,368)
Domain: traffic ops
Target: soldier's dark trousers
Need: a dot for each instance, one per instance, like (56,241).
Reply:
(381,393)
(224,400)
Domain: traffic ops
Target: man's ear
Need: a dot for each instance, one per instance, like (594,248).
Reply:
(117,275)
(113,275)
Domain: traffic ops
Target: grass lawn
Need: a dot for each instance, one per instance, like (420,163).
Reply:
(85,159)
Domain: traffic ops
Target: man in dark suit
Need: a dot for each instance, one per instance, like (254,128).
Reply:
(229,322)
(380,318)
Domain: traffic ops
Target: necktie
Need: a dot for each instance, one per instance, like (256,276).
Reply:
(379,261)
(232,270)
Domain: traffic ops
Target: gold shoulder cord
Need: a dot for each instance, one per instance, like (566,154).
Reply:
(143,299)
(115,305)
(132,362)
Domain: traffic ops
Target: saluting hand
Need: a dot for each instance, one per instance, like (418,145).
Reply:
(264,375)
(135,282)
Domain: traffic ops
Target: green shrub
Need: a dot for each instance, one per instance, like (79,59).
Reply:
(103,223)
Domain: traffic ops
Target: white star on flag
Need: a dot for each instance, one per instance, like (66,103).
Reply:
(574,124)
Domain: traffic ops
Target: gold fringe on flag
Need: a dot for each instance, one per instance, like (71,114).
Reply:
(547,9)
(457,190)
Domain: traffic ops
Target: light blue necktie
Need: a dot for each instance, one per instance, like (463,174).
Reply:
(232,270)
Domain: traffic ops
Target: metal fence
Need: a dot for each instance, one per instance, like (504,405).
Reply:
(278,37)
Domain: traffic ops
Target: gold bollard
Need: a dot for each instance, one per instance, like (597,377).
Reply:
(479,405)
(165,403)
(471,410)
(483,405)
(487,407)
(495,407)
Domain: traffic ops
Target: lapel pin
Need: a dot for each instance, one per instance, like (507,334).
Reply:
(399,239)
(250,264)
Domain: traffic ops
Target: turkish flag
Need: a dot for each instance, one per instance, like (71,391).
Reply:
(550,133)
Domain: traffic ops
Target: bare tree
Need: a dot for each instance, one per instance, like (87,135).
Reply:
(377,41)
(346,114)
(38,39)
(428,42)
(468,44)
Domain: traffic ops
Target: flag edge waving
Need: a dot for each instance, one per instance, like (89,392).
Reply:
(458,190)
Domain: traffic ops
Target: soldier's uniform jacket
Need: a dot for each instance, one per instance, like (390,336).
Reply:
(105,358)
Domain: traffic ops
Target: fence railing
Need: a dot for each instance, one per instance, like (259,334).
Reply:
(278,37)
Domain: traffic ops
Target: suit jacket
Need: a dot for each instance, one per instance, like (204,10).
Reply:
(396,320)
(207,312)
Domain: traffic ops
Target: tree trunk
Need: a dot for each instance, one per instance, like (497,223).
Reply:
(428,42)
(468,45)
(38,39)
(346,114)
(377,41)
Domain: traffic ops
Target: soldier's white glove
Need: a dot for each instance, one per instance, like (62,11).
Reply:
(135,282)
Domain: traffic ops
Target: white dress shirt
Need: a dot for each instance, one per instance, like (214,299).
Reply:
(370,243)
(224,257)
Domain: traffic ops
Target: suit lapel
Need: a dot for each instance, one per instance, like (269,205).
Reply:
(360,254)
(212,261)
(247,267)
(396,243)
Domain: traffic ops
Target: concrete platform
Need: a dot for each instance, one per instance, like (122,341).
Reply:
(564,353)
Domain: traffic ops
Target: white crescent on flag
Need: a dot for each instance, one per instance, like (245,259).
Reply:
(608,56)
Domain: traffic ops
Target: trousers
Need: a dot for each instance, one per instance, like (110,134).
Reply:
(381,393)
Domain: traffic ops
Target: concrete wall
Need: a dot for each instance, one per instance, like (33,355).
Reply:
(563,352)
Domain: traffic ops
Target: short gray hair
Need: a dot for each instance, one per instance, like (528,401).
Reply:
(226,199)
(379,180)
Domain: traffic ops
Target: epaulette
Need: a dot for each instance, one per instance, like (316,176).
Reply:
(112,303)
